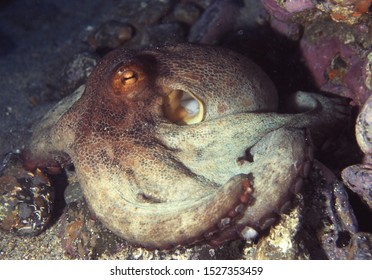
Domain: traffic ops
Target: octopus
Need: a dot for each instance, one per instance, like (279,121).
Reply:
(183,144)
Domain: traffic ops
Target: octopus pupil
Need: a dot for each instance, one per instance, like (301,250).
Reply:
(128,77)
(128,74)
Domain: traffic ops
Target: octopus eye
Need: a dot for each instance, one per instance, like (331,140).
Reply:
(183,108)
(123,80)
(128,76)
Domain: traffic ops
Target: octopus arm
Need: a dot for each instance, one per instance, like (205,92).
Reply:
(166,224)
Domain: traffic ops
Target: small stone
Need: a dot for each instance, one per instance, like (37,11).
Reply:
(73,193)
(144,13)
(216,21)
(363,128)
(77,72)
(186,12)
(358,178)
(24,211)
(328,218)
(110,35)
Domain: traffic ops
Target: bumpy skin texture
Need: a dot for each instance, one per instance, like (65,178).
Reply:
(157,183)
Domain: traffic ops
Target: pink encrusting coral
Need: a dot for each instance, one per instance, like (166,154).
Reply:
(283,13)
(337,67)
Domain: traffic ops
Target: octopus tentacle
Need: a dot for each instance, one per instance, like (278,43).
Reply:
(323,115)
(168,223)
(295,155)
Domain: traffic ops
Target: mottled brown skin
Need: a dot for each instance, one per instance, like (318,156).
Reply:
(159,183)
